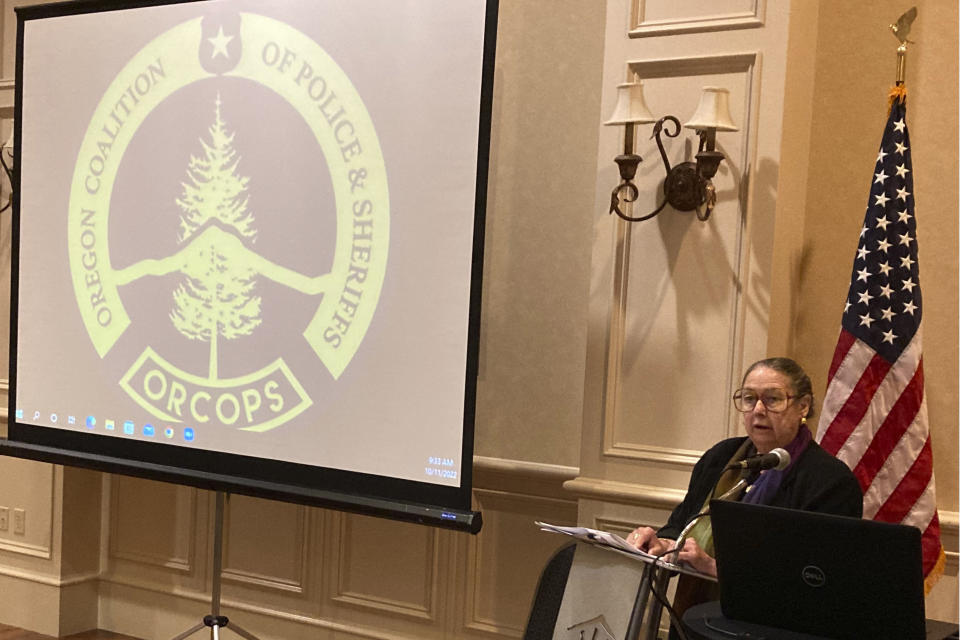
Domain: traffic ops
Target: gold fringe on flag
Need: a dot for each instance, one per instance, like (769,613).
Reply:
(934,576)
(897,94)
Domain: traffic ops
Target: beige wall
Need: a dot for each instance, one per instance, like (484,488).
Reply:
(824,71)
(854,71)
(292,571)
(540,208)
(842,65)
(812,76)
(854,64)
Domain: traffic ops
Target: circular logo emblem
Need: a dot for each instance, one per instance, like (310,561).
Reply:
(813,576)
(216,299)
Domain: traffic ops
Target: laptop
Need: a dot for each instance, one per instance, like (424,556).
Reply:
(818,574)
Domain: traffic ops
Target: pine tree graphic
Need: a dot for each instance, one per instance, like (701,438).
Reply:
(216,297)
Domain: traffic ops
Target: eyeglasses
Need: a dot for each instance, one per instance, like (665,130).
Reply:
(775,401)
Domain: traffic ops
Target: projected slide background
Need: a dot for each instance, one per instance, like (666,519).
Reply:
(247,227)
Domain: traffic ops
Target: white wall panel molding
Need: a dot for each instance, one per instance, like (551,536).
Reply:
(263,581)
(26,549)
(662,17)
(519,476)
(31,547)
(625,493)
(6,98)
(508,545)
(31,486)
(362,557)
(133,535)
(949,534)
(653,268)
(4,383)
(270,537)
(8,21)
(46,579)
(742,62)
(617,526)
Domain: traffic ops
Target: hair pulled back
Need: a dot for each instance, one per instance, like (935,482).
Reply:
(798,378)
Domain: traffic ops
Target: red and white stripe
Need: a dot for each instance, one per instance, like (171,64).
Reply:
(874,418)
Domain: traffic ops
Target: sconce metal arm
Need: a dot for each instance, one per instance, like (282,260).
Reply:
(615,203)
(626,183)
(657,129)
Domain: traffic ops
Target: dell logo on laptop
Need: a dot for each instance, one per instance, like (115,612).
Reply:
(813,576)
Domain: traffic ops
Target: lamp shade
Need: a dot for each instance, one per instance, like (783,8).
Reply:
(713,112)
(631,107)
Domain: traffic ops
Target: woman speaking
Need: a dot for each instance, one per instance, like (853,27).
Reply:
(776,399)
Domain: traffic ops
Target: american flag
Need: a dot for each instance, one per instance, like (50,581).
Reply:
(874,414)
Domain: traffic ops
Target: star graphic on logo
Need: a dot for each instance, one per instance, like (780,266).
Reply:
(220,42)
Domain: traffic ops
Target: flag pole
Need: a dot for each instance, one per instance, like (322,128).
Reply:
(901,29)
(901,63)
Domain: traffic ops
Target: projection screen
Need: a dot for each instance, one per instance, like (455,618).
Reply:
(248,240)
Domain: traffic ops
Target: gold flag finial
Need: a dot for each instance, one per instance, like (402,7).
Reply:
(902,29)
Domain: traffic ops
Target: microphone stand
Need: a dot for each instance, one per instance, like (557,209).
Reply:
(741,483)
(654,577)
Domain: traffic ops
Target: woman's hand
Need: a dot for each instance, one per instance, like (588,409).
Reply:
(692,555)
(645,539)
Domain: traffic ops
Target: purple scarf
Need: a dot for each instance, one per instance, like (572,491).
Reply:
(769,481)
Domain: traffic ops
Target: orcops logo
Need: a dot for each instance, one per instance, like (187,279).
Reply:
(216,300)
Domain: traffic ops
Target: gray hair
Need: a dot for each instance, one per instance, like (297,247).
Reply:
(799,379)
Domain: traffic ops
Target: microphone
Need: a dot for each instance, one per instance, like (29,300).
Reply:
(777,459)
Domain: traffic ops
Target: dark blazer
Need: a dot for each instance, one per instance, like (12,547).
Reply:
(816,482)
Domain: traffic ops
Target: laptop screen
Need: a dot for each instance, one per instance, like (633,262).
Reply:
(821,574)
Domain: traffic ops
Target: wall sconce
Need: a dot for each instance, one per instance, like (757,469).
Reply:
(689,185)
(630,111)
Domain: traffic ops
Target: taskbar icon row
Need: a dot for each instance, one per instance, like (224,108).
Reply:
(126,427)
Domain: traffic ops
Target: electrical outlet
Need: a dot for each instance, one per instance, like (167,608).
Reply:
(19,521)
(4,518)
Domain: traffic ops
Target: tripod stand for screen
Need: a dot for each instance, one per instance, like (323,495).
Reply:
(214,620)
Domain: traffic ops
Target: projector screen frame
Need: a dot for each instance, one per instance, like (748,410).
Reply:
(420,502)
